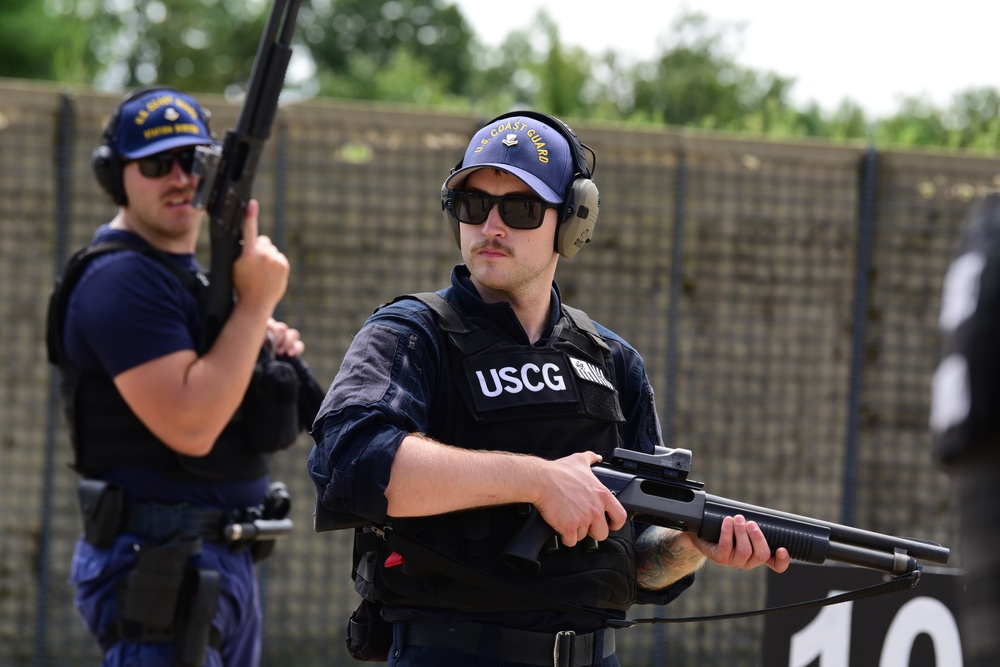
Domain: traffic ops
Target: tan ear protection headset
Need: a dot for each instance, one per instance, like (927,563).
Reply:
(578,215)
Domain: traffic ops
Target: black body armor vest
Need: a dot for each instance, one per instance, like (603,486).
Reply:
(105,432)
(549,401)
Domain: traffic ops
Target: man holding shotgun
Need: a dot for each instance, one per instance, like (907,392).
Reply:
(454,410)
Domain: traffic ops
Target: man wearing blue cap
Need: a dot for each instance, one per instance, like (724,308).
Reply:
(165,433)
(455,410)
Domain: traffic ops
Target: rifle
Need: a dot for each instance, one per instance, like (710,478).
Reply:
(227,172)
(654,489)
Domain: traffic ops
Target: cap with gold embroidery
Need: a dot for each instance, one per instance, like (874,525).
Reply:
(158,121)
(526,147)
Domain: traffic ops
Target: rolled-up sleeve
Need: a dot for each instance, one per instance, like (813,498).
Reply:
(380,395)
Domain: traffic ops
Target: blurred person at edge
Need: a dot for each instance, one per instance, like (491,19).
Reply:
(173,442)
(424,430)
(965,422)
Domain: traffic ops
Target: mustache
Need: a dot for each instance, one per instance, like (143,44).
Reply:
(186,191)
(493,244)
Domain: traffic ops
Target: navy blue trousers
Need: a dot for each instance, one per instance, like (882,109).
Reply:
(95,574)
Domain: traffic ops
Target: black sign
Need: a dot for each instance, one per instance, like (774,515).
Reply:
(913,628)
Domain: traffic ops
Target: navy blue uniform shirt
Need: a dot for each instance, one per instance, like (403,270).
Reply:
(387,383)
(128,309)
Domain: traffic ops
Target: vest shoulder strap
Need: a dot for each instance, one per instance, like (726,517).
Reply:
(462,333)
(449,319)
(583,330)
(458,328)
(59,297)
(580,319)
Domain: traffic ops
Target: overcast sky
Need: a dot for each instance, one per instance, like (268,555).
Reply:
(872,51)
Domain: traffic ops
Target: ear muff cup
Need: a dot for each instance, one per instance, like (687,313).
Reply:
(104,160)
(448,207)
(108,172)
(579,217)
(582,202)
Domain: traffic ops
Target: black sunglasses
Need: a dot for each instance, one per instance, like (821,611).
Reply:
(161,164)
(517,211)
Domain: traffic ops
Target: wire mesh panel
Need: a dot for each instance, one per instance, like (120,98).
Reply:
(622,277)
(732,266)
(364,224)
(921,204)
(765,293)
(28,127)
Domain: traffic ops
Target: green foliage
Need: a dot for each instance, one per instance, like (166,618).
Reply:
(693,83)
(974,120)
(41,40)
(916,124)
(353,40)
(404,79)
(424,52)
(197,45)
(533,69)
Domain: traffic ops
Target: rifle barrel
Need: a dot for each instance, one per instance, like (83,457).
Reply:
(838,533)
(233,182)
(259,530)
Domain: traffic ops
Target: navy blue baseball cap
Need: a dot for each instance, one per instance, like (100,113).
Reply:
(526,147)
(158,121)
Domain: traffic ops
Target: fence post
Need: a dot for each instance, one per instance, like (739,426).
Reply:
(867,184)
(280,213)
(673,307)
(63,171)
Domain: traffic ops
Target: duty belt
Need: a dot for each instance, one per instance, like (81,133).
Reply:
(157,521)
(560,649)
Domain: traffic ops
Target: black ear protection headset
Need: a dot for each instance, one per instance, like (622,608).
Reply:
(581,202)
(105,160)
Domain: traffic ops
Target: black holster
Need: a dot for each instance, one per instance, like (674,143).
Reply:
(193,626)
(369,636)
(277,504)
(102,507)
(164,599)
(148,595)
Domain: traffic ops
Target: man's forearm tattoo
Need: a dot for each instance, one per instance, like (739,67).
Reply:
(662,558)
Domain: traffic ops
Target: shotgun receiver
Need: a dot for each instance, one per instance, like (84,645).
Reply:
(227,171)
(654,489)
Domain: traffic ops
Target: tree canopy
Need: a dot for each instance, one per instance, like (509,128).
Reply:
(424,52)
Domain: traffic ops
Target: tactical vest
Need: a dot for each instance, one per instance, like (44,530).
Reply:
(106,433)
(550,401)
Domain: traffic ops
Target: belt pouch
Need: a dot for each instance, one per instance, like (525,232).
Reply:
(101,506)
(369,636)
(148,594)
(270,408)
